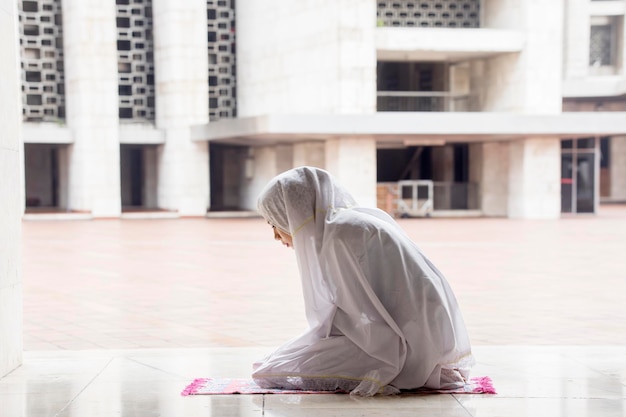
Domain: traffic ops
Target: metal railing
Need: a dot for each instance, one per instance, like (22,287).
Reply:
(424,197)
(426,101)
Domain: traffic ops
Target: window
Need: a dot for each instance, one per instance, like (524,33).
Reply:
(600,45)
(603,45)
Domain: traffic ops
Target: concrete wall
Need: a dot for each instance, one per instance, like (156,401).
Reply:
(267,160)
(535,178)
(489,167)
(319,58)
(306,57)
(576,39)
(526,82)
(353,162)
(11,192)
(182,100)
(618,168)
(529,81)
(285,157)
(90,48)
(309,153)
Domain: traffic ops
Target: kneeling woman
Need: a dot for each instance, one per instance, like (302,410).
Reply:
(381,317)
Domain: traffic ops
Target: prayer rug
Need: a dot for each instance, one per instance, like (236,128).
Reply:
(228,386)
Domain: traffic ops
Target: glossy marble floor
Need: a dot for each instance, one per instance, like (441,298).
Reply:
(120,315)
(531,381)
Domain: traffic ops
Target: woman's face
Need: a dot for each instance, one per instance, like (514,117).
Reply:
(284,237)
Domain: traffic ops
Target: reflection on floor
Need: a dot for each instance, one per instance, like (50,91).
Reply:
(531,381)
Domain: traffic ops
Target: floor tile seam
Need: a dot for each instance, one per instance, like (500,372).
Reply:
(71,401)
(602,373)
(131,359)
(59,344)
(469,413)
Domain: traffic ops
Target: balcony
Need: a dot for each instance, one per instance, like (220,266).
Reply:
(422,101)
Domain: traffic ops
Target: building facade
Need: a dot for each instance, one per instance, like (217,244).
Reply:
(490,107)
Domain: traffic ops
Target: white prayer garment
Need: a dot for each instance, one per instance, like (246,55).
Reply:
(381,316)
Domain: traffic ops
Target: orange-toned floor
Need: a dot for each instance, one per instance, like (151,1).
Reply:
(116,284)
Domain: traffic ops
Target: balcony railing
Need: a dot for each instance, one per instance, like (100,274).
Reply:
(439,101)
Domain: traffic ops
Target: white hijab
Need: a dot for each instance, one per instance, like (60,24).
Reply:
(381,316)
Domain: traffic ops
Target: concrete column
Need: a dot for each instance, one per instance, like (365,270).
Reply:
(529,81)
(90,47)
(618,168)
(489,163)
(353,162)
(284,158)
(576,41)
(182,100)
(11,193)
(356,83)
(534,178)
(309,153)
(267,160)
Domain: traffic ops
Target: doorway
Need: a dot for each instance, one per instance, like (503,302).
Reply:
(138,175)
(446,167)
(579,175)
(46,177)
(227,170)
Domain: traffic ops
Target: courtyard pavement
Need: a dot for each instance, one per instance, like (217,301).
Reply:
(119,284)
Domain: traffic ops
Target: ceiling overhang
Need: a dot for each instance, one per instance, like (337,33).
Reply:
(446,45)
(409,128)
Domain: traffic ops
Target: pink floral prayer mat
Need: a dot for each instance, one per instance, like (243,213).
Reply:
(229,386)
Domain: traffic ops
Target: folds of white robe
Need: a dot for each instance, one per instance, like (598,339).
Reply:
(382,317)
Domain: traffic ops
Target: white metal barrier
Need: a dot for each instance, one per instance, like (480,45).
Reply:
(415,198)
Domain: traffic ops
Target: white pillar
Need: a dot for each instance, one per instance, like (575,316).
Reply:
(576,39)
(90,48)
(489,167)
(618,168)
(285,154)
(11,192)
(534,178)
(182,100)
(310,154)
(529,81)
(353,162)
(268,162)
